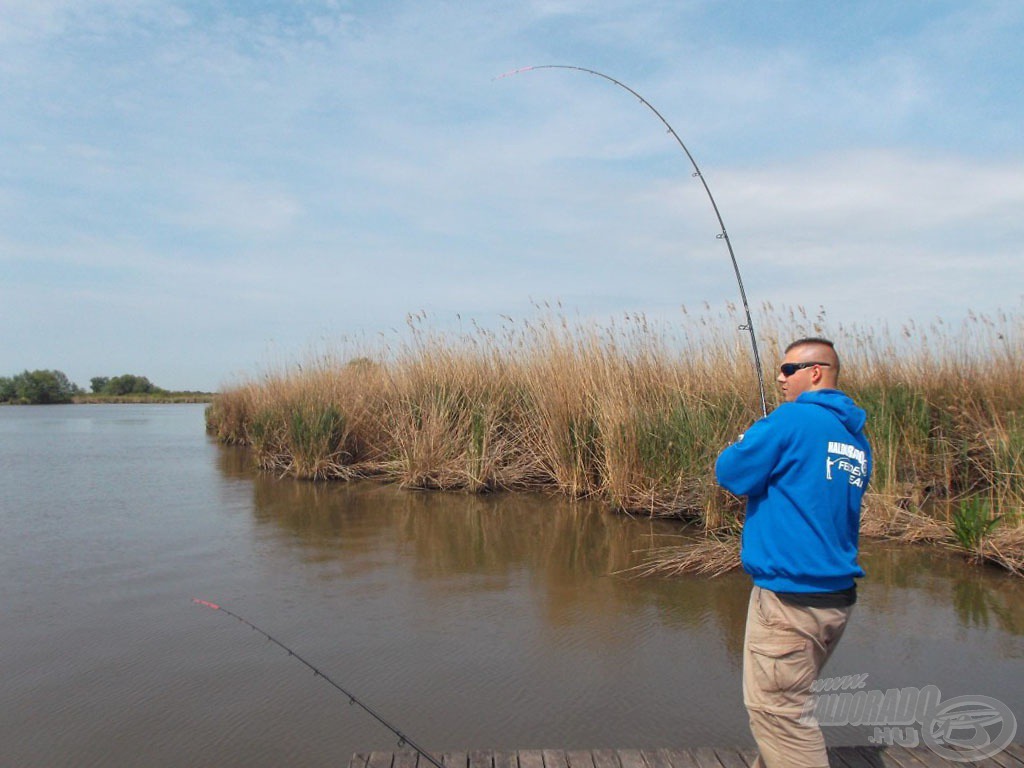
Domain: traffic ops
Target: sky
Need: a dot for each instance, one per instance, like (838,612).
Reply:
(194,191)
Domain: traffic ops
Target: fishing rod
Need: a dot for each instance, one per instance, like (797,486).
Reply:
(402,738)
(723,234)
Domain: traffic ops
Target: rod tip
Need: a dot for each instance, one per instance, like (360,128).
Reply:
(512,72)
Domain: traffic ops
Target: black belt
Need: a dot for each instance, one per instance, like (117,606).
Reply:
(841,599)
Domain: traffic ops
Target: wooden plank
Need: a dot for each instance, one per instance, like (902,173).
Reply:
(605,758)
(579,758)
(358,760)
(856,757)
(631,758)
(1004,759)
(841,758)
(656,758)
(455,760)
(904,757)
(750,755)
(681,758)
(706,757)
(531,758)
(407,758)
(848,757)
(995,762)
(899,757)
(481,758)
(730,758)
(505,760)
(554,758)
(1011,756)
(380,760)
(928,758)
(876,756)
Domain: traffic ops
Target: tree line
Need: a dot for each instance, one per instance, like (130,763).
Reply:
(44,387)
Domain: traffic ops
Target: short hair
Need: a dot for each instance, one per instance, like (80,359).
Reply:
(811,340)
(808,340)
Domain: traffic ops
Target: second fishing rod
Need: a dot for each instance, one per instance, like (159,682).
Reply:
(403,740)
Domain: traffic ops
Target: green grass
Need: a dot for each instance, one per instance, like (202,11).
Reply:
(973,523)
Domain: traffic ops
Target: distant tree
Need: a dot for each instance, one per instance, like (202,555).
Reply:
(40,388)
(129,384)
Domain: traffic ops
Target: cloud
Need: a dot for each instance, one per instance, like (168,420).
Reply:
(244,209)
(869,190)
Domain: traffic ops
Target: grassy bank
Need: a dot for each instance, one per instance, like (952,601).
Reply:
(635,415)
(162,397)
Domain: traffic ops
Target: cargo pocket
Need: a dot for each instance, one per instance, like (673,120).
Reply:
(781,673)
(770,612)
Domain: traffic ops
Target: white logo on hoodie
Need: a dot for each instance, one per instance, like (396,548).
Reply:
(846,456)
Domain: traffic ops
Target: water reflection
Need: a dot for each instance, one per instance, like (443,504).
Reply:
(234,462)
(573,553)
(455,534)
(981,597)
(977,605)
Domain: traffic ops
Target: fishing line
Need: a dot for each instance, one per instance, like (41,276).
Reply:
(403,740)
(723,234)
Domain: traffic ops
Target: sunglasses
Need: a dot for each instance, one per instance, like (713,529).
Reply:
(788,369)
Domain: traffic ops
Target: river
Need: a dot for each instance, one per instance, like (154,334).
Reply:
(471,622)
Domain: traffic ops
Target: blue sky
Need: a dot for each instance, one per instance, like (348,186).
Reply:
(192,191)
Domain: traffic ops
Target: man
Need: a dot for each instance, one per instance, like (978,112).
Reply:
(803,470)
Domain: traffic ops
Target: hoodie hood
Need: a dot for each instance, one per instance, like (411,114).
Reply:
(852,416)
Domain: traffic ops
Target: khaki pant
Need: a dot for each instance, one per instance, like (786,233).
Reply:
(784,649)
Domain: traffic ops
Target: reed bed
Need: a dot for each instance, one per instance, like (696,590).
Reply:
(634,413)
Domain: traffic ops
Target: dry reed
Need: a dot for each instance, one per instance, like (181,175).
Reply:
(634,414)
(710,556)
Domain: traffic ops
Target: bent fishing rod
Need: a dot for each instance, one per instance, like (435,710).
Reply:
(403,740)
(723,234)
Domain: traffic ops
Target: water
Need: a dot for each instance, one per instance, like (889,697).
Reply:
(470,622)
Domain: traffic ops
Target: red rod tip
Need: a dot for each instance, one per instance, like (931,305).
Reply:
(207,603)
(513,72)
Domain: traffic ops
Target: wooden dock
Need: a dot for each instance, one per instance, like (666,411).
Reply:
(839,757)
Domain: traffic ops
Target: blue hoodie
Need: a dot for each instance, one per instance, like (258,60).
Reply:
(803,469)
